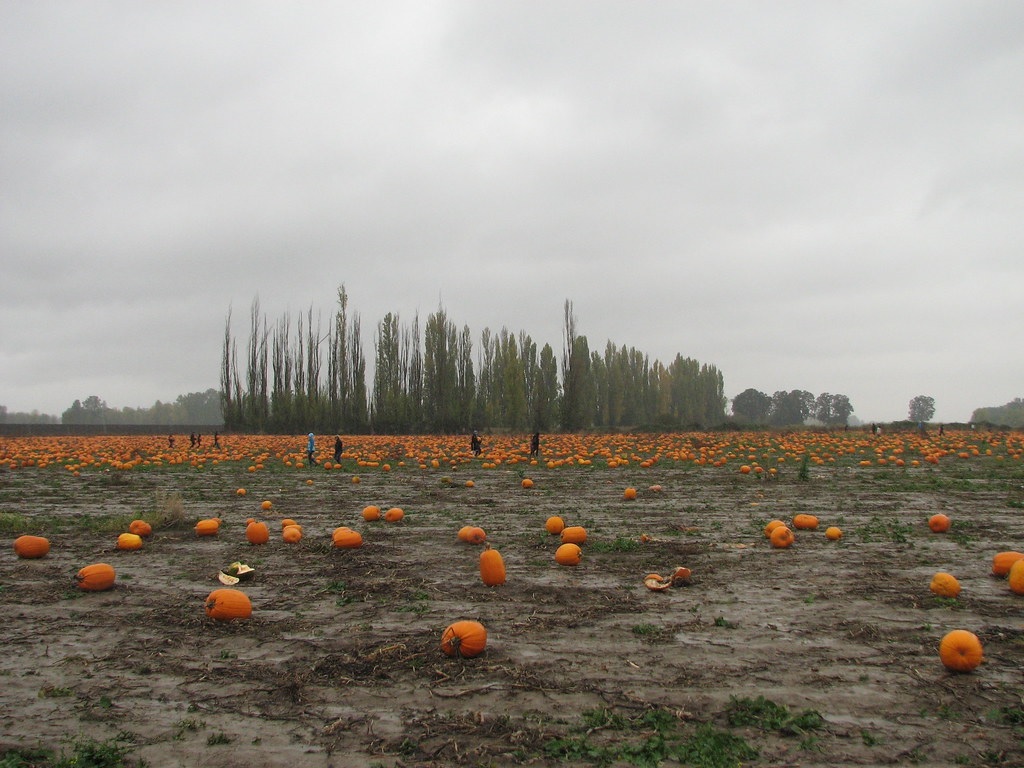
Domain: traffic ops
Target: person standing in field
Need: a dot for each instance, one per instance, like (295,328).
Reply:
(535,445)
(311,449)
(337,449)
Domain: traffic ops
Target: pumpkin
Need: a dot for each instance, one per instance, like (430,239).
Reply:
(527,483)
(574,534)
(140,528)
(655,583)
(960,651)
(257,533)
(208,527)
(371,513)
(345,538)
(782,537)
(228,604)
(292,534)
(394,515)
(568,554)
(1002,562)
(129,541)
(96,577)
(771,527)
(464,639)
(1016,577)
(833,534)
(267,505)
(629,494)
(492,567)
(681,576)
(472,534)
(805,522)
(286,522)
(31,547)
(554,525)
(939,523)
(240,571)
(945,585)
(241,491)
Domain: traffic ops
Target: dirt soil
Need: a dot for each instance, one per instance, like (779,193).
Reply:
(340,665)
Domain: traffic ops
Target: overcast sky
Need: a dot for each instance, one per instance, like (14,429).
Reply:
(825,196)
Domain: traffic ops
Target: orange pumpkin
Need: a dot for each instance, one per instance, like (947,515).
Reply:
(96,577)
(574,534)
(805,522)
(345,538)
(292,534)
(554,525)
(1003,561)
(464,639)
(568,554)
(228,605)
(394,515)
(129,541)
(208,527)
(960,651)
(833,534)
(939,523)
(771,527)
(527,483)
(629,494)
(286,522)
(492,567)
(140,528)
(655,583)
(472,534)
(257,533)
(1016,577)
(371,513)
(944,585)
(31,547)
(782,537)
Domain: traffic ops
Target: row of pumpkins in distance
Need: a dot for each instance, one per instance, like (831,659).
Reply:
(959,650)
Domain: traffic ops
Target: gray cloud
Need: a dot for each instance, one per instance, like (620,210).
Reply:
(814,196)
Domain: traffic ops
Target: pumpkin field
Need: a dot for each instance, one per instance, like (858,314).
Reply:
(692,629)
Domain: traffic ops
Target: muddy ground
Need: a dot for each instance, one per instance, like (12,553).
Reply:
(340,666)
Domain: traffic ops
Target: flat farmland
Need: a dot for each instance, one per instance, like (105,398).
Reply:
(824,653)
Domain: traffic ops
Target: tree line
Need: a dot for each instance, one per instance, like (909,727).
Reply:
(302,373)
(791,408)
(1010,415)
(193,408)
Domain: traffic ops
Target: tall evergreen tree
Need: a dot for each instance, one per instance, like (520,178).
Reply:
(465,381)
(440,374)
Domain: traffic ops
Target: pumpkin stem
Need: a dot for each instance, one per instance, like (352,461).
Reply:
(455,642)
